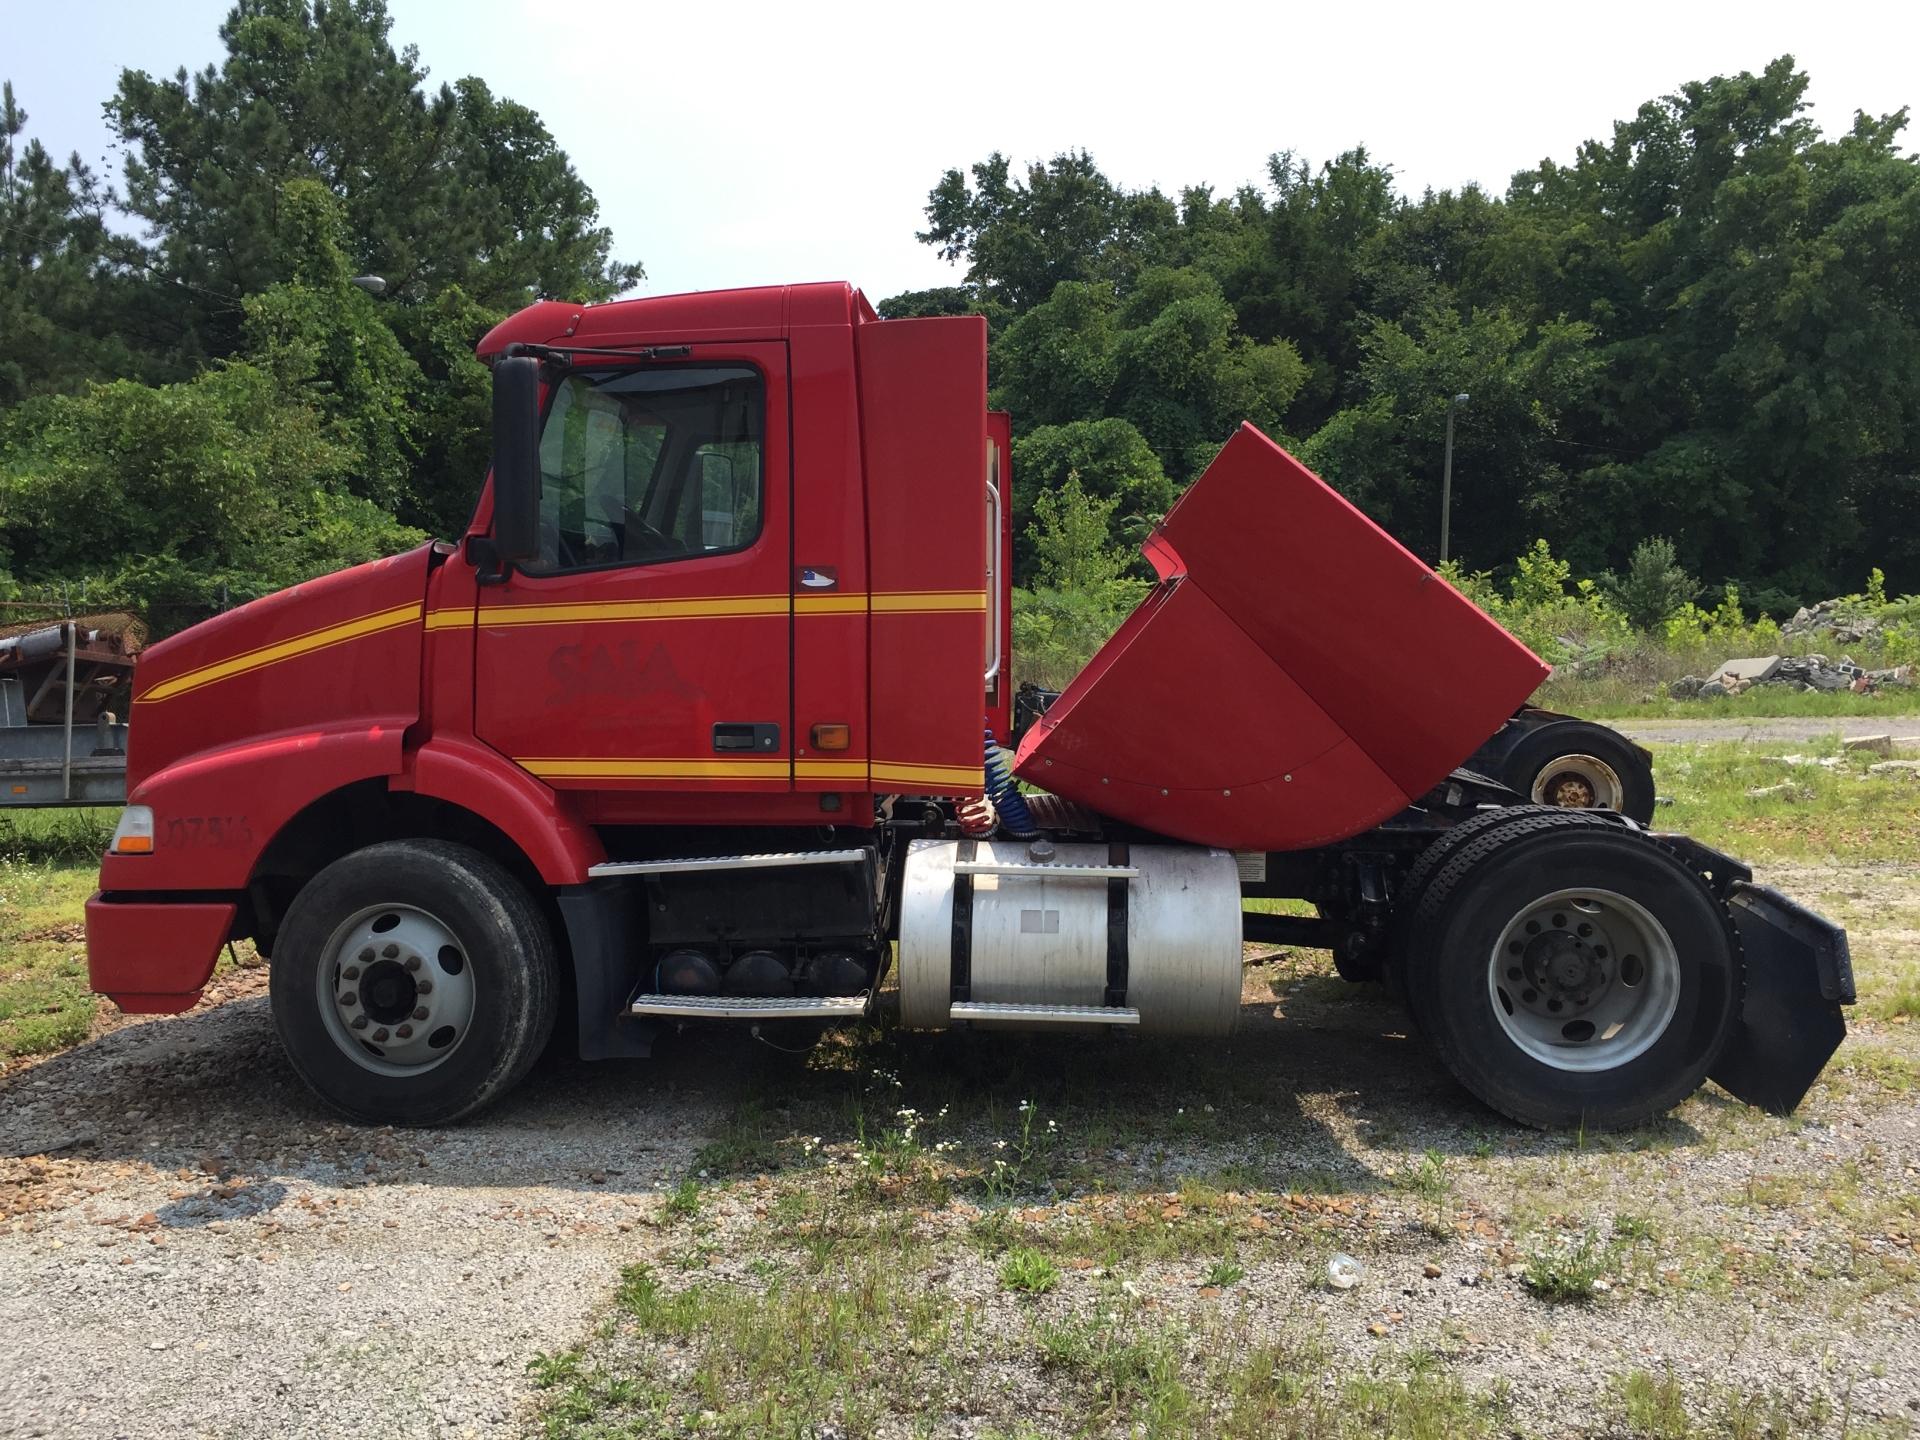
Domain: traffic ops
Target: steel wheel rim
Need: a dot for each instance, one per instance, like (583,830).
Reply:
(1584,980)
(395,990)
(1579,782)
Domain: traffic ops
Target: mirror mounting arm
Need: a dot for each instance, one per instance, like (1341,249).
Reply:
(484,556)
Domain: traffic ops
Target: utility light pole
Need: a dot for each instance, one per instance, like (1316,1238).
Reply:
(1446,475)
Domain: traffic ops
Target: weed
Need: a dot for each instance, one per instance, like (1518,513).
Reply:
(684,1202)
(1632,1227)
(1223,1273)
(1013,1164)
(1565,1272)
(1028,1271)
(551,1370)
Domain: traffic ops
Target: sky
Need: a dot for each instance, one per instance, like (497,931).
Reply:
(750,143)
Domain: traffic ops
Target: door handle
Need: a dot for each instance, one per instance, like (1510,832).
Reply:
(748,737)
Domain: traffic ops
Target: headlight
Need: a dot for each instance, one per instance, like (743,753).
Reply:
(134,834)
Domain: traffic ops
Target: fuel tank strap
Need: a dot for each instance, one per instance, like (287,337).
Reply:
(1117,927)
(962,951)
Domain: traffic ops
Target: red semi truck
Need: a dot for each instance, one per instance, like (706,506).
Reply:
(695,726)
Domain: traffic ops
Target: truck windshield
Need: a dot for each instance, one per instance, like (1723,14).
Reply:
(649,465)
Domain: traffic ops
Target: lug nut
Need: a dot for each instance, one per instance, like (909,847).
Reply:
(391,951)
(421,1013)
(366,956)
(404,1032)
(413,962)
(425,987)
(381,1033)
(348,998)
(359,1022)
(352,972)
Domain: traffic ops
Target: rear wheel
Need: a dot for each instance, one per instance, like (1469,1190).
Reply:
(1579,765)
(413,982)
(1572,973)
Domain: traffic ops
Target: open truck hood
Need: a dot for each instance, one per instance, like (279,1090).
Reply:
(1295,677)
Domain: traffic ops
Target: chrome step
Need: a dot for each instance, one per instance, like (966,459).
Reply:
(751,1007)
(1045,872)
(1046,1014)
(771,861)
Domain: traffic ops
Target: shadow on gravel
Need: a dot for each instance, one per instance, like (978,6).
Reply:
(1278,1106)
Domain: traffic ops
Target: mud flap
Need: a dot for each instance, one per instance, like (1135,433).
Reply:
(1799,974)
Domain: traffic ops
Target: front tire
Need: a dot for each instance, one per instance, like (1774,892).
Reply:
(1573,974)
(413,982)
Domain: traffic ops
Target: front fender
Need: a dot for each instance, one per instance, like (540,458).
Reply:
(216,811)
(527,812)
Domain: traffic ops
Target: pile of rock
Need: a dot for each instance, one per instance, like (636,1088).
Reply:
(1795,672)
(1833,619)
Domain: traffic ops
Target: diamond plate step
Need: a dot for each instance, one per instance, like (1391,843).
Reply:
(751,1007)
(1046,1014)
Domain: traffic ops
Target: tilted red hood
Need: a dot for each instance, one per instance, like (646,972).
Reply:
(342,648)
(1296,677)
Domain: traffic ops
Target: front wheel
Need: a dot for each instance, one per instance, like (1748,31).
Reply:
(413,982)
(1573,974)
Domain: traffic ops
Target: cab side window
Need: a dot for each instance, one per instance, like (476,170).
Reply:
(649,465)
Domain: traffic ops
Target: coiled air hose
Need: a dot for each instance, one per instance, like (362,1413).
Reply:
(1015,819)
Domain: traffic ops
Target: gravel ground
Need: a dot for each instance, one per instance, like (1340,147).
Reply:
(203,1252)
(1790,729)
(190,1247)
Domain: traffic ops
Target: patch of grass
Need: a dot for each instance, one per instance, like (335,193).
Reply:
(1124,1367)
(1223,1273)
(1029,1272)
(1832,809)
(1566,1272)
(1632,1227)
(1657,1407)
(684,1202)
(1653,1407)
(62,837)
(44,1001)
(746,1144)
(1615,700)
(852,1347)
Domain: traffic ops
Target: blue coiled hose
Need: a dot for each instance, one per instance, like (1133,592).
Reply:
(1014,817)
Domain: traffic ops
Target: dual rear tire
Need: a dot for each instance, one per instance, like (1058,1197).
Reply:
(1568,970)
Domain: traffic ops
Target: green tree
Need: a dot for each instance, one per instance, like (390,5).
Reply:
(456,187)
(63,290)
(1654,588)
(320,336)
(1064,220)
(161,496)
(1109,461)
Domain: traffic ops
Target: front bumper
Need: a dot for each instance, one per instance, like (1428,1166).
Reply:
(154,957)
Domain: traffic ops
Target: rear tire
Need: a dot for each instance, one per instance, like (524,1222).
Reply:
(414,981)
(1636,958)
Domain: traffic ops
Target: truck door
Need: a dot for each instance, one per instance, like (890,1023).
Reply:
(647,646)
